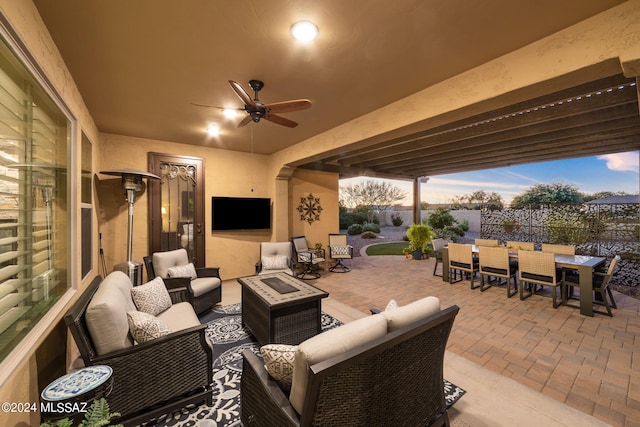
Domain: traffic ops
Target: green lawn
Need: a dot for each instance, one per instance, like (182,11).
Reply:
(392,248)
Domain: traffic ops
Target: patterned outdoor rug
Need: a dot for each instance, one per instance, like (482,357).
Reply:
(230,338)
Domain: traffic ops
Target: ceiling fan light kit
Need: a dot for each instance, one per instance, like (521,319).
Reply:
(256,110)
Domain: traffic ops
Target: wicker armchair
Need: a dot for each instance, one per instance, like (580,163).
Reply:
(393,380)
(152,378)
(205,289)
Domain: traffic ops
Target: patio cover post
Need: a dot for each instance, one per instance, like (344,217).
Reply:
(416,197)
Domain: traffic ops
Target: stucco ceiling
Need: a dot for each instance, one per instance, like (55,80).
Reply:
(140,64)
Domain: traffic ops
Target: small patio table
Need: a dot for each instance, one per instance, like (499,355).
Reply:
(583,264)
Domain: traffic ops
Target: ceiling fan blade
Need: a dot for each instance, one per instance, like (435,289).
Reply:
(244,121)
(242,94)
(207,106)
(287,106)
(280,120)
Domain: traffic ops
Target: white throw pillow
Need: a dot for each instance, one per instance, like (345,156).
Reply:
(278,359)
(152,297)
(276,262)
(188,270)
(402,316)
(145,327)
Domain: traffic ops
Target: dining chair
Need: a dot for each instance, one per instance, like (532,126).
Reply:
(494,262)
(461,259)
(524,246)
(601,288)
(539,268)
(486,242)
(438,244)
(559,249)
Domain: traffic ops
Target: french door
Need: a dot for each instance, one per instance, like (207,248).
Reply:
(176,205)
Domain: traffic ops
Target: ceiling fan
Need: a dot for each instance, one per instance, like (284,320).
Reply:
(256,110)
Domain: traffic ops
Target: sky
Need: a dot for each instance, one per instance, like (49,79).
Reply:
(611,172)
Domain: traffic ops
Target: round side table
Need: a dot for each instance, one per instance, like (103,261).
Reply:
(73,393)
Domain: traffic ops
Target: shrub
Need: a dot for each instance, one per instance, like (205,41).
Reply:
(368,235)
(371,227)
(396,219)
(354,229)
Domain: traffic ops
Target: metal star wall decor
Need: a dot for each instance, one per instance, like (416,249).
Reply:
(309,209)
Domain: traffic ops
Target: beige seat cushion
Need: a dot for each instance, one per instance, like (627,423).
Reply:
(202,285)
(401,316)
(179,316)
(329,344)
(106,316)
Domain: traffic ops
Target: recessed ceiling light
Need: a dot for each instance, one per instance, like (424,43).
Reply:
(304,31)
(213,130)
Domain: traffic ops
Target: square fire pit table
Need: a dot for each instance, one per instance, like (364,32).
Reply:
(280,309)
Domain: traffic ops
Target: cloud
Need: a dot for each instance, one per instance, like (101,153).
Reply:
(622,161)
(485,185)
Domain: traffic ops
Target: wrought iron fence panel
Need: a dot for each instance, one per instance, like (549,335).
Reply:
(595,229)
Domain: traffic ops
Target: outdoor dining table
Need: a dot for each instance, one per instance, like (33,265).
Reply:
(583,264)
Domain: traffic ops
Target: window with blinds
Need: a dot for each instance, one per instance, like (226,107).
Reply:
(34,236)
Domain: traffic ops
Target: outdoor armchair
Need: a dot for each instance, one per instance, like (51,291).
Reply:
(203,284)
(539,268)
(461,259)
(275,257)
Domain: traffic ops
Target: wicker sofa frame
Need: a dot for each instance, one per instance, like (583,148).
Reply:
(153,378)
(391,381)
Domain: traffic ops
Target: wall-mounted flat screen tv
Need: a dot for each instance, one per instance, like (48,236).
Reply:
(240,213)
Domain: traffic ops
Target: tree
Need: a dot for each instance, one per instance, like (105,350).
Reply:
(547,194)
(479,199)
(377,195)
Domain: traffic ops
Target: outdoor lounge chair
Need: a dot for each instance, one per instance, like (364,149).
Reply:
(204,284)
(275,257)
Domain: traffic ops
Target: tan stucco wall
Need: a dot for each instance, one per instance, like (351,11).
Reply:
(611,38)
(227,173)
(323,186)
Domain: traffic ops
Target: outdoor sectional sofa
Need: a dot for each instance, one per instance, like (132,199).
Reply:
(151,378)
(381,370)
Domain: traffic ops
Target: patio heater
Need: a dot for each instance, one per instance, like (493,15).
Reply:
(131,183)
(43,180)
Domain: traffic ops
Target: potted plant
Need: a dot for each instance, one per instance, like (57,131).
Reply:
(419,236)
(509,225)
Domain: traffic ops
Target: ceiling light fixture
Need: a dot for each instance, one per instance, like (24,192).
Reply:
(213,130)
(230,113)
(304,31)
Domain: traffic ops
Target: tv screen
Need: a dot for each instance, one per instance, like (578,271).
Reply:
(240,213)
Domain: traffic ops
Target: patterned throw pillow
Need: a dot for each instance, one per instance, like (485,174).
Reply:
(152,297)
(278,359)
(188,270)
(145,327)
(277,262)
